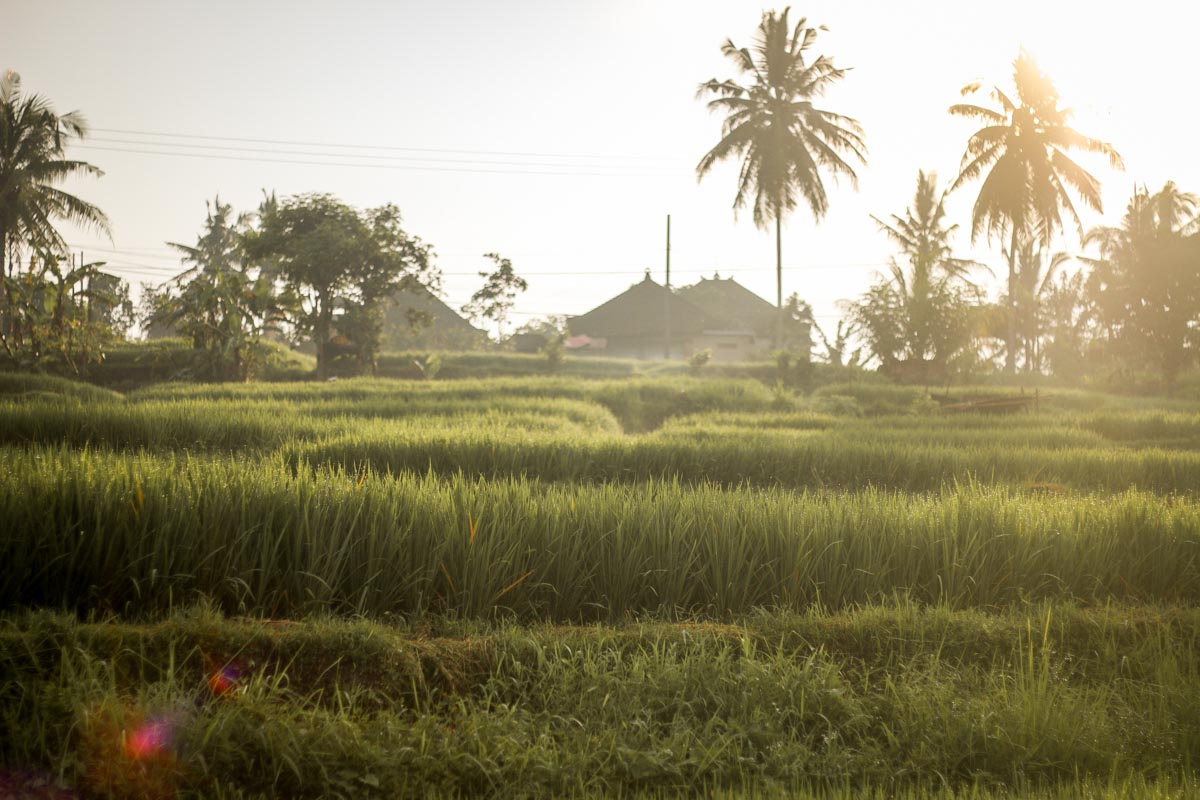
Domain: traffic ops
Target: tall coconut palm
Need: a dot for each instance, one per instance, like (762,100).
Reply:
(1029,179)
(33,139)
(783,141)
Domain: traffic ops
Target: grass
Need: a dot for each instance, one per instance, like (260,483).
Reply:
(545,585)
(1044,699)
(136,533)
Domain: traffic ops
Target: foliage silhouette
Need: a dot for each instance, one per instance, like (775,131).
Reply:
(1029,179)
(783,141)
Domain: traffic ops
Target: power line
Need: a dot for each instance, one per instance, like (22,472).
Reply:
(402,167)
(344,146)
(634,270)
(370,156)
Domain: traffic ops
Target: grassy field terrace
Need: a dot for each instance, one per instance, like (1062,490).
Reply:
(509,584)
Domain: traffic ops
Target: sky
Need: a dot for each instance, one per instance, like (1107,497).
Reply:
(561,133)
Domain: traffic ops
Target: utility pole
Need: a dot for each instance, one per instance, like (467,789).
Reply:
(667,298)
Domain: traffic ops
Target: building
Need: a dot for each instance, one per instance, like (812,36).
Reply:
(717,315)
(419,320)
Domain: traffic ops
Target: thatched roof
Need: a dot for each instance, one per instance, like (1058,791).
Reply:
(638,311)
(445,328)
(725,297)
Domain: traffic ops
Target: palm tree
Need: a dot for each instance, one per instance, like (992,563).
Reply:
(771,125)
(1036,269)
(922,234)
(914,316)
(1144,282)
(1023,148)
(32,161)
(219,300)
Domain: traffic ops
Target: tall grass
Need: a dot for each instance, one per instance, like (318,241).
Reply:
(140,532)
(834,459)
(204,424)
(570,431)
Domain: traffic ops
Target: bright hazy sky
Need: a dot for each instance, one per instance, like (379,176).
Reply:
(560,133)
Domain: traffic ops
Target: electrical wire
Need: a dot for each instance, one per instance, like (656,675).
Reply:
(368,156)
(400,167)
(294,143)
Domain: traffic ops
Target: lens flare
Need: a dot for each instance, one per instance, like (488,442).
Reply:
(223,681)
(150,739)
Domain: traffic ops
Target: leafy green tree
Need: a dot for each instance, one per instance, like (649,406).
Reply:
(339,266)
(498,294)
(1146,281)
(915,319)
(771,125)
(53,321)
(310,243)
(1022,147)
(397,262)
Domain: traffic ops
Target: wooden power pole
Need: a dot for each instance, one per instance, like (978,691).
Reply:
(667,299)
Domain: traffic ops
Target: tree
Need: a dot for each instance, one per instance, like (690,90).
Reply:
(798,327)
(1146,281)
(1036,268)
(837,351)
(338,266)
(770,123)
(33,161)
(397,262)
(915,319)
(495,299)
(310,243)
(1067,318)
(221,302)
(1023,149)
(59,315)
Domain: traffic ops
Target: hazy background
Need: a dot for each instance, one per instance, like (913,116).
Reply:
(561,134)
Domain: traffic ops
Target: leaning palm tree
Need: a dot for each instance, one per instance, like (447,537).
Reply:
(1023,149)
(771,125)
(32,161)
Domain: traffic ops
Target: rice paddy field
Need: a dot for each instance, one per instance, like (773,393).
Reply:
(630,586)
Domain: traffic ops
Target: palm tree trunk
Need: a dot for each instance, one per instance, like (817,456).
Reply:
(779,278)
(1010,355)
(6,311)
